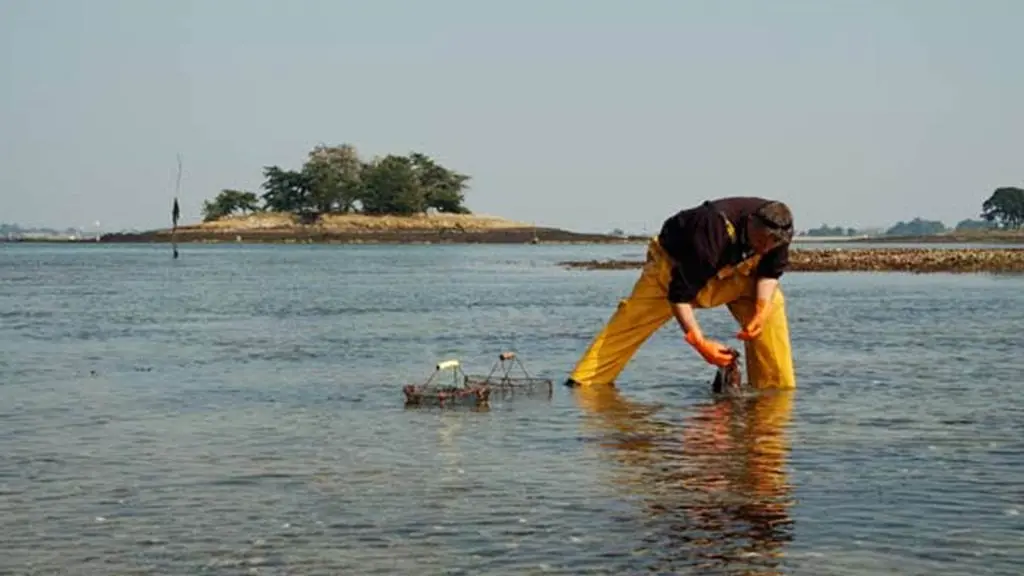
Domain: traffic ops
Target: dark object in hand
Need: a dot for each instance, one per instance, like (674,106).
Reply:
(728,379)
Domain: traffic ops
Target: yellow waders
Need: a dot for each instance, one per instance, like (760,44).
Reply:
(768,357)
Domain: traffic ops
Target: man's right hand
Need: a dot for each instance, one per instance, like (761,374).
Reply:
(713,352)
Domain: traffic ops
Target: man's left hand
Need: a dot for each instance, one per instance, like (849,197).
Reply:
(756,325)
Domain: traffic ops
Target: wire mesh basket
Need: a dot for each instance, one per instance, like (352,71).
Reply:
(435,392)
(501,379)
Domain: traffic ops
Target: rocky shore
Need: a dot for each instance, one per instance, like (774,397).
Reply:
(915,260)
(360,229)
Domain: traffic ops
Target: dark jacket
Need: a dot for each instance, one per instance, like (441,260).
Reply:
(698,240)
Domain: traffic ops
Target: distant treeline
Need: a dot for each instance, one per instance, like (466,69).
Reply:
(915,227)
(334,179)
(16,230)
(1004,209)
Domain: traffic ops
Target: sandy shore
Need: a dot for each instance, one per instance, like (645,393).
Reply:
(358,229)
(917,260)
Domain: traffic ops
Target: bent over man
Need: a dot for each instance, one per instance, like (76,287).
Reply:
(729,251)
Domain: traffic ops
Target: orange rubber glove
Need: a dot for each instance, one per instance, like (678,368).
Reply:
(713,352)
(753,328)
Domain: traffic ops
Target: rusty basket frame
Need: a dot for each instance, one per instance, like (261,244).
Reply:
(503,382)
(460,392)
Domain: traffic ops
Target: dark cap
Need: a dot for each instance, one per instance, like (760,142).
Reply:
(777,218)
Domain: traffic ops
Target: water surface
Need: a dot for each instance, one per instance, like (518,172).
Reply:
(239,411)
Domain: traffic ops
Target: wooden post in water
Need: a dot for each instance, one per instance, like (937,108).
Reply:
(176,212)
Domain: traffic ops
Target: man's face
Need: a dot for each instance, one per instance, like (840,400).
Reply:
(761,240)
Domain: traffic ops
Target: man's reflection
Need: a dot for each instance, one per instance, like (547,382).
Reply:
(714,487)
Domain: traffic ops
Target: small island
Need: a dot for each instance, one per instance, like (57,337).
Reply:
(338,198)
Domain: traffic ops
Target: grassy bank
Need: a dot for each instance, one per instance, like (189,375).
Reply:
(916,260)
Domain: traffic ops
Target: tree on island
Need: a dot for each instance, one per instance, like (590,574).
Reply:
(229,202)
(971,225)
(334,180)
(916,227)
(1005,207)
(830,231)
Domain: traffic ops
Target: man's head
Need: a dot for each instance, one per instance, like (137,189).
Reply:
(770,226)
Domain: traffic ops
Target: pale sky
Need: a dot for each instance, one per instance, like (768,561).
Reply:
(589,114)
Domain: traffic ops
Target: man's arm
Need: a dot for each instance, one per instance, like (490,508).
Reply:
(682,290)
(683,311)
(765,293)
(696,266)
(775,263)
(712,351)
(766,288)
(771,267)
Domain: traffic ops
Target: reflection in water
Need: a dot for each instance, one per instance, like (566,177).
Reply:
(714,490)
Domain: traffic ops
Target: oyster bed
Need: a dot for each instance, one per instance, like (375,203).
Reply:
(917,260)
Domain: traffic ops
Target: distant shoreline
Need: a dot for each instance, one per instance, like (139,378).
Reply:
(526,235)
(363,229)
(975,237)
(543,235)
(443,228)
(507,236)
(920,260)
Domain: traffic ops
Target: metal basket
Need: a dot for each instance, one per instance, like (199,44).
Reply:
(459,392)
(504,382)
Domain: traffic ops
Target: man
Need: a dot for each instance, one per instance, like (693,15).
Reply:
(730,251)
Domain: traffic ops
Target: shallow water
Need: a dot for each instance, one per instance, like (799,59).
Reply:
(239,411)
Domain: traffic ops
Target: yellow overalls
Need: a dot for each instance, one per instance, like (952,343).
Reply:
(768,357)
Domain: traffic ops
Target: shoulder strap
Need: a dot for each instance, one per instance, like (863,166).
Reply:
(729,228)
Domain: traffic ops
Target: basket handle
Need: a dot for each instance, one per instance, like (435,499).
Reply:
(447,364)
